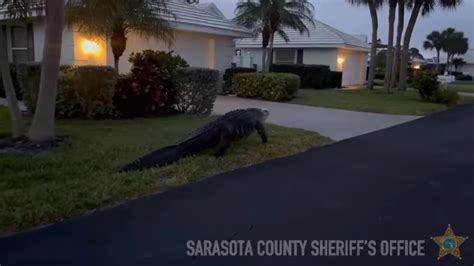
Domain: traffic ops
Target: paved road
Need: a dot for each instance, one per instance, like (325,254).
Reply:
(403,183)
(334,123)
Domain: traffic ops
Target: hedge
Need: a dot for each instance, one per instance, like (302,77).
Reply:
(196,90)
(312,76)
(229,75)
(267,86)
(83,91)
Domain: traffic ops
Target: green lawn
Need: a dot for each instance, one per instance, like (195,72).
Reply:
(462,87)
(83,175)
(400,103)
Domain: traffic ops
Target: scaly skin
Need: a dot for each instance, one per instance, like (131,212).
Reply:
(217,134)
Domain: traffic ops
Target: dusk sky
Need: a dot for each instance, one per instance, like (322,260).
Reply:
(356,20)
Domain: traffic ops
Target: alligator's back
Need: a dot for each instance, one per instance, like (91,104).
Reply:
(231,126)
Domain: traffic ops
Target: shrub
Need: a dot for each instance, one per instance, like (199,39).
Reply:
(83,92)
(229,75)
(464,77)
(426,83)
(311,76)
(90,89)
(150,90)
(268,86)
(196,90)
(335,80)
(447,97)
(18,92)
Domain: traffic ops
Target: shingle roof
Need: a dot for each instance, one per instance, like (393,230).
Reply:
(321,35)
(193,17)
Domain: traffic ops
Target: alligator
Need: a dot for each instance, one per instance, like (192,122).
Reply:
(219,133)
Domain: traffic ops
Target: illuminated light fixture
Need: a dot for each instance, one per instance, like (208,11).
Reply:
(341,60)
(417,66)
(90,47)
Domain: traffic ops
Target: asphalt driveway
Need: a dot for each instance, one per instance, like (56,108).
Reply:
(407,182)
(334,123)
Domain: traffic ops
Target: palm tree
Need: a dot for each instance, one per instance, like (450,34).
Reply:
(457,62)
(115,19)
(434,41)
(454,44)
(17,123)
(270,17)
(43,125)
(424,7)
(398,46)
(391,29)
(373,6)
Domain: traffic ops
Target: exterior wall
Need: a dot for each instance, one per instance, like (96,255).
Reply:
(67,50)
(256,54)
(321,56)
(199,50)
(468,68)
(354,67)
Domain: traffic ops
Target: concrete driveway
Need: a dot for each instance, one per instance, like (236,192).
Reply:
(334,123)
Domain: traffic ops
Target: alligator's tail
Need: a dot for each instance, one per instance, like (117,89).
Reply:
(171,154)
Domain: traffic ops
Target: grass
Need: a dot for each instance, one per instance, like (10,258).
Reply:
(399,103)
(462,87)
(82,174)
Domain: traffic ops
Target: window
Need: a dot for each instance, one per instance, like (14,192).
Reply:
(299,56)
(22,43)
(284,56)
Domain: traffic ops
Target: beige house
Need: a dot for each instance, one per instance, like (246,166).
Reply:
(324,45)
(203,37)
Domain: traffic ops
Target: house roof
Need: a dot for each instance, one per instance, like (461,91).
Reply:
(321,35)
(205,18)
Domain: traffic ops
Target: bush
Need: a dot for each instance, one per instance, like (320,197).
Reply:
(268,86)
(426,83)
(464,77)
(18,92)
(150,90)
(83,92)
(311,76)
(447,97)
(335,80)
(196,90)
(229,75)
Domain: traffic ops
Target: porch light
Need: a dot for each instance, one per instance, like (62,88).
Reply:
(417,66)
(341,60)
(90,47)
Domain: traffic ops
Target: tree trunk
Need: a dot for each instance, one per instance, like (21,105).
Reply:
(391,29)
(437,61)
(264,58)
(373,50)
(270,53)
(43,125)
(402,83)
(396,60)
(447,64)
(17,123)
(118,42)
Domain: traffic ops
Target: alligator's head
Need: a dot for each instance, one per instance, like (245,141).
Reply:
(261,114)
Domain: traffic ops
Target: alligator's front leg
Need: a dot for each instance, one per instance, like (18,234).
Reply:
(261,131)
(224,143)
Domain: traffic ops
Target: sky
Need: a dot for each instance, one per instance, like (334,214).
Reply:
(356,20)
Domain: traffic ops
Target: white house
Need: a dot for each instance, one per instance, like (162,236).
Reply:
(325,45)
(203,37)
